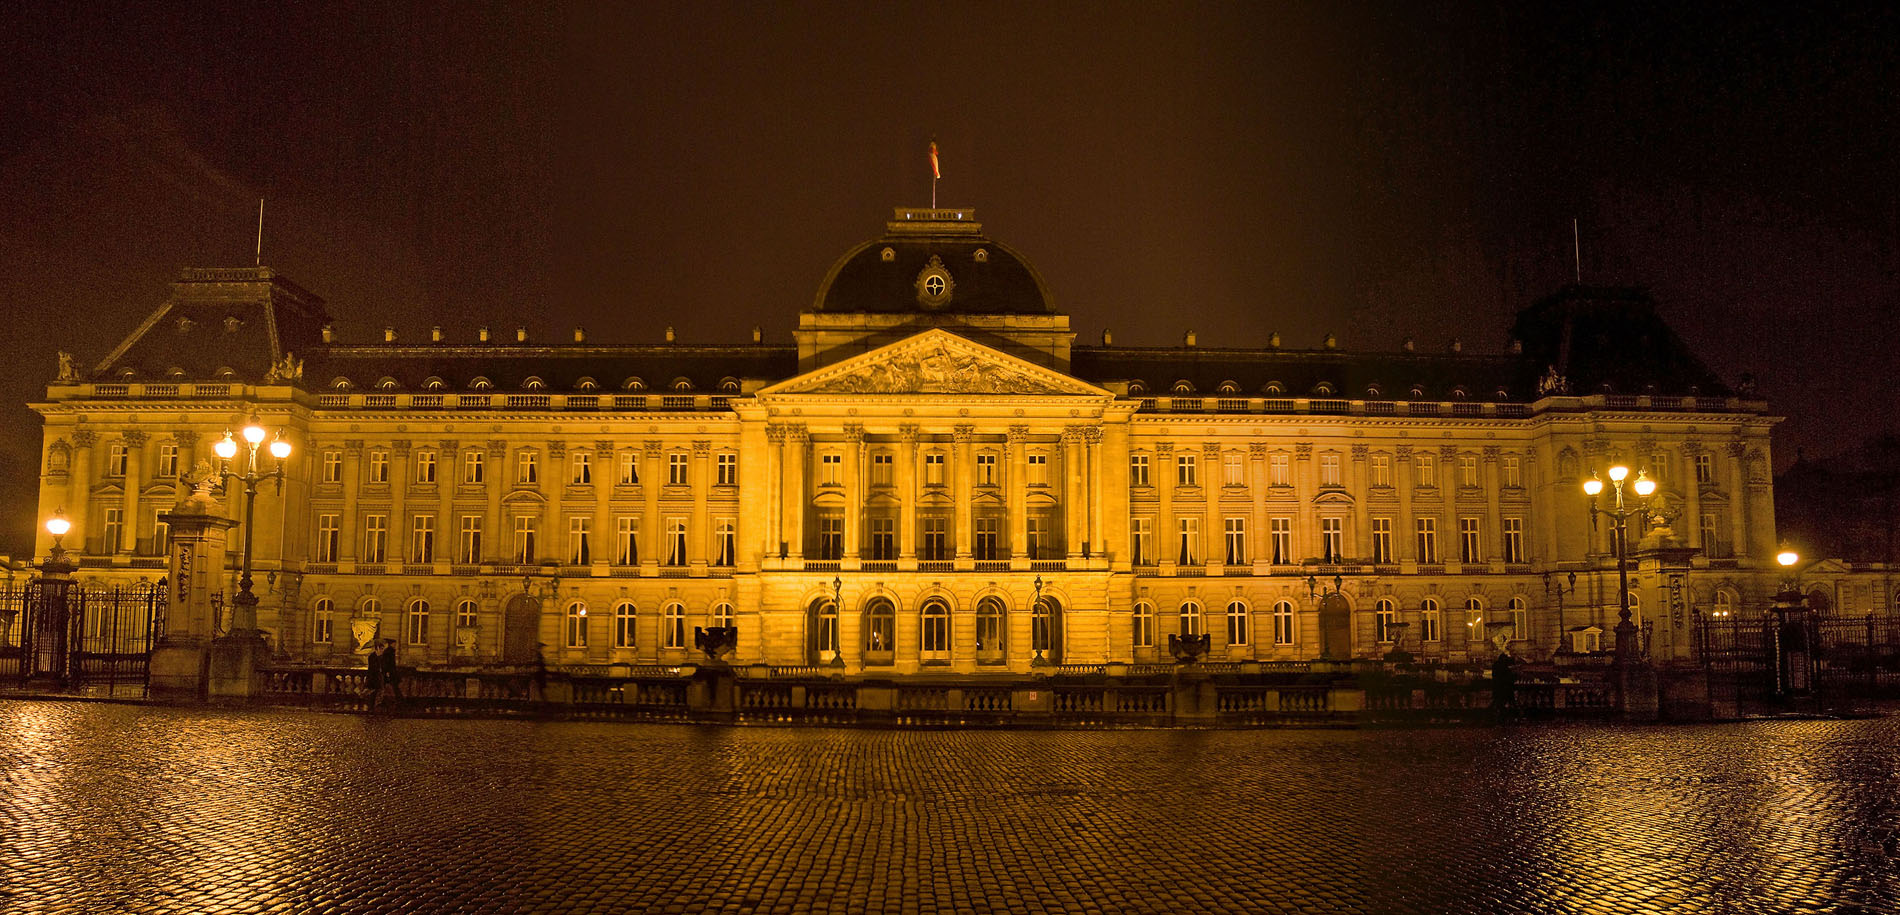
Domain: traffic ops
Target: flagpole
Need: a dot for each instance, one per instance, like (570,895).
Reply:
(260,232)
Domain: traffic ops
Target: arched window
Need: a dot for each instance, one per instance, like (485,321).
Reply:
(722,614)
(1724,603)
(1474,620)
(1190,621)
(673,626)
(990,631)
(1045,636)
(1520,620)
(625,623)
(936,635)
(880,631)
(1636,608)
(822,625)
(322,616)
(418,622)
(1384,614)
(1238,632)
(1283,631)
(577,625)
(1431,621)
(1144,625)
(467,615)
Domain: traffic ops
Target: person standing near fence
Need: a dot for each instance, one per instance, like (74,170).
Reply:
(373,675)
(392,675)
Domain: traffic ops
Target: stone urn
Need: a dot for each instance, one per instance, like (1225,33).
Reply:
(363,632)
(465,640)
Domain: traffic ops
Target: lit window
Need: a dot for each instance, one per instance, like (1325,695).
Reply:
(379,467)
(1468,471)
(418,622)
(1381,470)
(1513,472)
(1514,540)
(1237,620)
(578,548)
(1428,540)
(1189,619)
(422,539)
(725,542)
(1283,630)
(1038,470)
(1430,620)
(933,468)
(936,631)
(1184,470)
(629,468)
(471,540)
(581,468)
(1384,614)
(1144,625)
(673,626)
(676,541)
(425,467)
(1236,541)
(1329,469)
(1382,540)
(881,464)
(328,536)
(989,630)
(321,618)
(333,467)
(1189,532)
(467,615)
(831,469)
(1233,466)
(375,538)
(527,468)
(524,538)
(473,467)
(986,469)
(1427,465)
(726,469)
(625,624)
(576,625)
(1469,547)
(627,542)
(1279,470)
(1332,539)
(1281,531)
(1141,540)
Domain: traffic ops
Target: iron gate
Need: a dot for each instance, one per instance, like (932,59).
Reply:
(85,638)
(1835,660)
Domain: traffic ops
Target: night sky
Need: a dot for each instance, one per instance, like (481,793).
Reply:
(1235,169)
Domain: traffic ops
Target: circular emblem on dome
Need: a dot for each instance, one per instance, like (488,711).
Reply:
(934,284)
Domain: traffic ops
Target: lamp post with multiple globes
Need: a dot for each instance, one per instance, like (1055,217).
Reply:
(244,604)
(1643,487)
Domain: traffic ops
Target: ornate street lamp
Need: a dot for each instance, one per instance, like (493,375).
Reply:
(1557,585)
(837,621)
(1643,487)
(1038,619)
(244,604)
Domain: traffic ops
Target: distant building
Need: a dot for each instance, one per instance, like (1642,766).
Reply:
(934,476)
(1847,509)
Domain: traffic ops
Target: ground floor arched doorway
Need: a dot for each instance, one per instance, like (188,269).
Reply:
(521,630)
(1335,627)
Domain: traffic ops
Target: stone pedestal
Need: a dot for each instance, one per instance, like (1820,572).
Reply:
(1194,699)
(181,665)
(713,692)
(232,666)
(1637,696)
(180,669)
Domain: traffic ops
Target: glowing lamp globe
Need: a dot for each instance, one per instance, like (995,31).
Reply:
(254,433)
(1644,485)
(1592,486)
(58,525)
(226,448)
(1618,472)
(280,449)
(1787,558)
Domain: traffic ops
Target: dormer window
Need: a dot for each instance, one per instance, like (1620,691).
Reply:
(887,255)
(1228,388)
(728,385)
(982,255)
(682,384)
(585,384)
(387,384)
(633,384)
(1274,388)
(1182,387)
(340,384)
(434,383)
(478,383)
(1323,389)
(533,383)
(1137,388)
(226,372)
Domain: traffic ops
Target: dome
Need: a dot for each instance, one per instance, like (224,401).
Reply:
(933,261)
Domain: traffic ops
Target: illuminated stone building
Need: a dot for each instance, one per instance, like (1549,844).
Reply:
(935,476)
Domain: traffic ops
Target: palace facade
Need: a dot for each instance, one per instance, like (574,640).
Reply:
(935,476)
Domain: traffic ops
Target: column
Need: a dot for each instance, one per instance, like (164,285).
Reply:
(853,491)
(553,481)
(495,546)
(1305,484)
(604,539)
(80,477)
(1018,505)
(1689,526)
(1738,499)
(698,530)
(1404,527)
(962,435)
(775,490)
(351,535)
(797,444)
(1361,510)
(1448,486)
(1113,486)
(1167,542)
(651,537)
(399,520)
(1494,516)
(448,527)
(1074,486)
(907,492)
(134,480)
(1213,520)
(1097,545)
(1262,534)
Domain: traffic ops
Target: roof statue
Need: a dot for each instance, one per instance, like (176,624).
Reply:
(68,374)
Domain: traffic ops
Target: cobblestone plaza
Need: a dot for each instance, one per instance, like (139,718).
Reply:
(119,808)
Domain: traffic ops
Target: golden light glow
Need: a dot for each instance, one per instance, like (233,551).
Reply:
(253,433)
(58,525)
(1593,485)
(280,448)
(1618,472)
(226,448)
(1644,485)
(1787,557)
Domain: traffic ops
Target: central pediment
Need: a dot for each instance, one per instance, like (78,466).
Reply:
(936,362)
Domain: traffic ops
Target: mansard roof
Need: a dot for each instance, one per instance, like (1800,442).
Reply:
(560,367)
(242,320)
(884,275)
(1303,373)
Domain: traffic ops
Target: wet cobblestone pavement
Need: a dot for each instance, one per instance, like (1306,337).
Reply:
(115,808)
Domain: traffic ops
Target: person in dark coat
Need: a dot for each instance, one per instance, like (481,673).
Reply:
(392,675)
(374,674)
(1503,684)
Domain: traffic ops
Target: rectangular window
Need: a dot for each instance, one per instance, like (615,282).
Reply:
(629,463)
(933,469)
(725,542)
(1513,472)
(1279,470)
(114,530)
(469,542)
(627,541)
(1469,548)
(474,468)
(936,538)
(987,541)
(1281,530)
(527,468)
(524,538)
(830,537)
(1038,470)
(883,538)
(1329,469)
(1141,540)
(1381,470)
(333,467)
(726,468)
(379,467)
(117,458)
(1710,545)
(1382,540)
(1427,465)
(1659,466)
(1428,541)
(327,538)
(1233,469)
(425,466)
(1514,540)
(1705,468)
(1184,470)
(676,542)
(161,533)
(376,538)
(1468,471)
(1036,532)
(422,539)
(986,469)
(676,468)
(1332,538)
(881,464)
(580,468)
(831,469)
(578,552)
(1138,470)
(1188,550)
(167,460)
(1236,541)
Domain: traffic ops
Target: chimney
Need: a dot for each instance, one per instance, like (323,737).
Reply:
(389,335)
(1457,346)
(435,333)
(1273,340)
(521,335)
(483,333)
(1517,347)
(1408,345)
